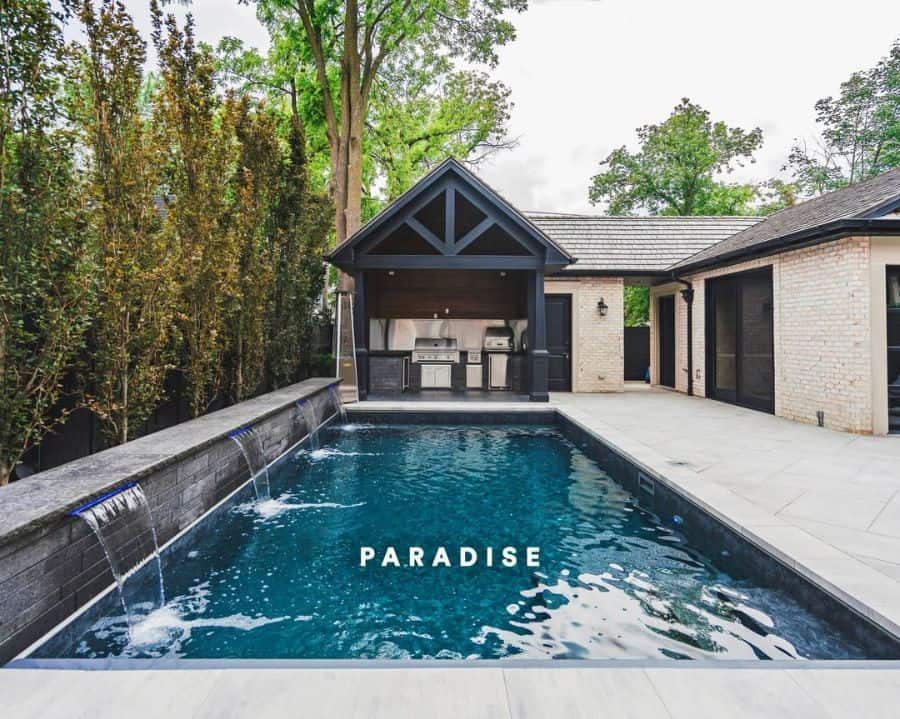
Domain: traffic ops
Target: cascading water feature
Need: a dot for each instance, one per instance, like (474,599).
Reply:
(123,524)
(251,447)
(338,403)
(312,423)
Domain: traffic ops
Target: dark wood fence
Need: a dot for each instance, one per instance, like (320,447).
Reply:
(80,435)
(637,353)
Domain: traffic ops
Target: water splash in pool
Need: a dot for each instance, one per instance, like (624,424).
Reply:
(164,630)
(274,507)
(356,427)
(329,452)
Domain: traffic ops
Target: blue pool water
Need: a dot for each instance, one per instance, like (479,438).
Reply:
(281,578)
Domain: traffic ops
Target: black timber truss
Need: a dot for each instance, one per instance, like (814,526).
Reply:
(452,220)
(468,226)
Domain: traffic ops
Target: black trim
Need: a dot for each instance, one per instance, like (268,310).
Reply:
(885,208)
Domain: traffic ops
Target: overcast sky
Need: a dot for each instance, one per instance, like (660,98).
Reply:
(585,73)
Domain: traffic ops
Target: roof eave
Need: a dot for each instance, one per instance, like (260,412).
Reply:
(614,273)
(828,232)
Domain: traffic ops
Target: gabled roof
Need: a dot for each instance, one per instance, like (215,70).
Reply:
(457,185)
(657,245)
(843,211)
(605,244)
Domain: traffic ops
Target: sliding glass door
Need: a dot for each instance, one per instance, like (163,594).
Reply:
(740,339)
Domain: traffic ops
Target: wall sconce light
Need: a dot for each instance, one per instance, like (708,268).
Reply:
(602,307)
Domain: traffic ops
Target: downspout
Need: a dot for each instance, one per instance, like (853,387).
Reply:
(687,294)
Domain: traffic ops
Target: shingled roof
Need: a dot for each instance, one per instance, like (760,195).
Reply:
(605,244)
(865,200)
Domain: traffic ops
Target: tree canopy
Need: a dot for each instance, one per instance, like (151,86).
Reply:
(859,131)
(359,61)
(675,170)
(159,231)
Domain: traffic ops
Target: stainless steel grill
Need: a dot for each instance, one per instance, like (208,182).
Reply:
(498,339)
(435,349)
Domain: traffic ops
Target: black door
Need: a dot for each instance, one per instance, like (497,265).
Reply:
(740,339)
(665,320)
(559,342)
(893,348)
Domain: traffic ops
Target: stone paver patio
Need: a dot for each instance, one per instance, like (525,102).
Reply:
(455,693)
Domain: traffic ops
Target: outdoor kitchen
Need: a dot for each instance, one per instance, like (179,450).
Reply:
(459,332)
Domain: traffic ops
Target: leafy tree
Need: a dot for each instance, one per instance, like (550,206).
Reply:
(351,44)
(860,131)
(419,118)
(45,271)
(637,306)
(253,193)
(202,151)
(300,227)
(136,262)
(301,216)
(674,171)
(776,195)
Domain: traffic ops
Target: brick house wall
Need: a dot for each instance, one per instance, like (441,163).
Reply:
(822,329)
(598,343)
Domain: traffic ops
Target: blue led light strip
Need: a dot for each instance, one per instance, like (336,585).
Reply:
(240,430)
(78,510)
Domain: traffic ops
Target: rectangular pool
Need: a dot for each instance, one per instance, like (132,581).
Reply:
(617,578)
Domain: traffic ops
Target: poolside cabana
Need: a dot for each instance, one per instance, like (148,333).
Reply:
(450,261)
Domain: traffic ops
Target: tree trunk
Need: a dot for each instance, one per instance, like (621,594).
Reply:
(239,370)
(353,210)
(124,424)
(5,472)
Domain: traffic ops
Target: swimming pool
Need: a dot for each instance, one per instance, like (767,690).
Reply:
(282,578)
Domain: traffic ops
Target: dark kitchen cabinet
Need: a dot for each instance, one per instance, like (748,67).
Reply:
(388,374)
(517,367)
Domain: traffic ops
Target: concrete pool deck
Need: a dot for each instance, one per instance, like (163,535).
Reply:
(675,692)
(825,502)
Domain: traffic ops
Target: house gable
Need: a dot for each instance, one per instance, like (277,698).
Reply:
(450,219)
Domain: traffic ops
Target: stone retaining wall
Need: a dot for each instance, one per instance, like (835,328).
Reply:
(51,564)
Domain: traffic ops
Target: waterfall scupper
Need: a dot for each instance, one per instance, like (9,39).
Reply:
(248,439)
(123,524)
(308,412)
